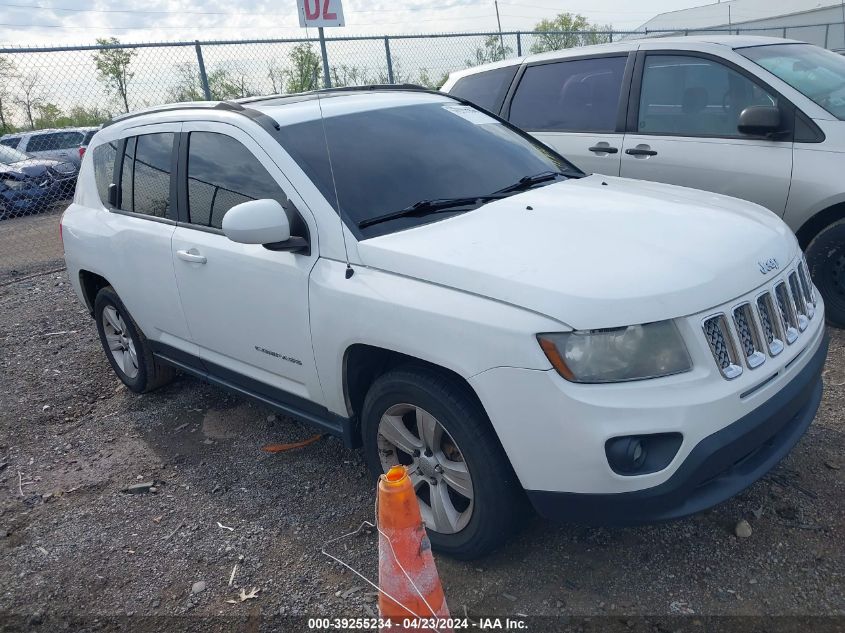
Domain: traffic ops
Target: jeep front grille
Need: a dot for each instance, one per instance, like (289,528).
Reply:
(721,344)
(746,333)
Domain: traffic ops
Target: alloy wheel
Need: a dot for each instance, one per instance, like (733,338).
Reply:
(120,343)
(413,437)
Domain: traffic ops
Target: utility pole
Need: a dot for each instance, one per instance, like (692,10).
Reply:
(499,21)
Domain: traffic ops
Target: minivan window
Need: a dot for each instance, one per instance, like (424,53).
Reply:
(486,89)
(388,159)
(581,95)
(53,141)
(10,142)
(104,156)
(816,73)
(145,178)
(223,173)
(694,96)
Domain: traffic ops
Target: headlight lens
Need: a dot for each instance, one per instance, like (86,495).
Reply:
(15,185)
(635,352)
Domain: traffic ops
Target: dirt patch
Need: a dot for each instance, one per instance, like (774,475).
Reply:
(73,438)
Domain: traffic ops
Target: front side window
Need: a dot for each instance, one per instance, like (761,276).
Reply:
(223,173)
(9,155)
(486,89)
(694,96)
(388,159)
(581,95)
(816,73)
(104,156)
(145,176)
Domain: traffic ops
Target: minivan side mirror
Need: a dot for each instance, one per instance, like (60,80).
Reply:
(759,120)
(261,222)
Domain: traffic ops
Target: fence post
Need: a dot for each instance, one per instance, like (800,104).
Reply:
(327,80)
(611,37)
(784,32)
(203,77)
(389,60)
(826,34)
(519,44)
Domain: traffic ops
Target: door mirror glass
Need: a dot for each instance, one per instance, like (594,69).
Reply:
(257,222)
(759,120)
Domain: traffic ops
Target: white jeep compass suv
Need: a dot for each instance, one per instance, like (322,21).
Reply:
(418,277)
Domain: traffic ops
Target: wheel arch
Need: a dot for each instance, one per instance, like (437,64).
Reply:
(818,222)
(363,364)
(91,283)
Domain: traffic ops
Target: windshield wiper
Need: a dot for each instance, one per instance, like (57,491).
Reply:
(427,207)
(529,181)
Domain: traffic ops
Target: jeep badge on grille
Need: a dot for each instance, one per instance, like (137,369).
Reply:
(768,265)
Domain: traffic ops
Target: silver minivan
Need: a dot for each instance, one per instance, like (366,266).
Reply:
(757,118)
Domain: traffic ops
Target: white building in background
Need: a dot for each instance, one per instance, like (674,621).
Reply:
(816,21)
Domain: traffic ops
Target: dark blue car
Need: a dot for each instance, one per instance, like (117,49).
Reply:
(32,185)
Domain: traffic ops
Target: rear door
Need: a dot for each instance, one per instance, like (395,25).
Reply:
(141,219)
(577,106)
(682,129)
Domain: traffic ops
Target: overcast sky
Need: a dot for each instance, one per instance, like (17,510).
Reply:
(53,22)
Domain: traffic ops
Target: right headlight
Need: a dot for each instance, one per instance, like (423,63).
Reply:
(635,352)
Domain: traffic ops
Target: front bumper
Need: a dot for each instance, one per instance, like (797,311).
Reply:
(717,468)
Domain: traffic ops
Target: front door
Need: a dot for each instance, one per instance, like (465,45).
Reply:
(573,106)
(685,131)
(246,306)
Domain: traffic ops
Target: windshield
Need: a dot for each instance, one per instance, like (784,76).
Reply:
(9,155)
(815,72)
(389,159)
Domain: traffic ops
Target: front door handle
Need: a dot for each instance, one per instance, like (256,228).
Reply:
(640,151)
(604,148)
(191,256)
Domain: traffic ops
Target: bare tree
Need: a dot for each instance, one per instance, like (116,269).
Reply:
(29,96)
(8,72)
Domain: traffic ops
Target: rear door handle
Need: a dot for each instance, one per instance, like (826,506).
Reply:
(639,151)
(604,148)
(191,256)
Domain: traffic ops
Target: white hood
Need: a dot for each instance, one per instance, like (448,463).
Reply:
(596,255)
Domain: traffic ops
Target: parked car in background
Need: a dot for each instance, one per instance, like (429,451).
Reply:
(62,145)
(86,141)
(757,118)
(458,299)
(32,185)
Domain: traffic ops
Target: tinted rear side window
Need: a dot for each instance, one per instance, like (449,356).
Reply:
(10,142)
(223,173)
(145,178)
(486,89)
(54,141)
(581,95)
(104,156)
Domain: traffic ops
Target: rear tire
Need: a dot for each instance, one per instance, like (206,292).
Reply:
(126,347)
(491,503)
(826,261)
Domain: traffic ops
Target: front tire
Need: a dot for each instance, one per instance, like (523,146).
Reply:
(470,498)
(126,348)
(826,261)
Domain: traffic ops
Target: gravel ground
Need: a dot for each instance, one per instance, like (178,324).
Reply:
(71,542)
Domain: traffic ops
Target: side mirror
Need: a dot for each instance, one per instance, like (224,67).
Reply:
(759,120)
(257,222)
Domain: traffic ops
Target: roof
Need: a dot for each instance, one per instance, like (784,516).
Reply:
(729,41)
(50,130)
(730,12)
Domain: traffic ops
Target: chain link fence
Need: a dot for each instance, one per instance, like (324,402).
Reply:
(52,99)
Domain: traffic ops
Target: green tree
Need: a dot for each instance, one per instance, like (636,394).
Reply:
(8,72)
(304,69)
(426,80)
(567,31)
(491,51)
(225,84)
(49,115)
(188,86)
(113,68)
(29,96)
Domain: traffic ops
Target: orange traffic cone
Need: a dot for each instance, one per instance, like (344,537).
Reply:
(408,580)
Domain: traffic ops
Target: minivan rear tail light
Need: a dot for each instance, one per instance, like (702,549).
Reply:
(81,151)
